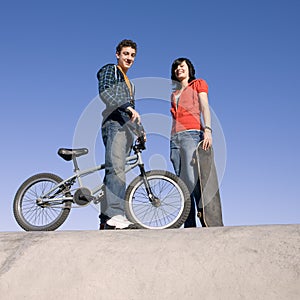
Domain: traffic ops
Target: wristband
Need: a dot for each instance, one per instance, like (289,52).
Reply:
(207,127)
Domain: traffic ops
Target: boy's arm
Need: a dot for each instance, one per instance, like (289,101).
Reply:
(110,90)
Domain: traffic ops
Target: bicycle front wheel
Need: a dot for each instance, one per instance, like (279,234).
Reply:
(171,201)
(34,213)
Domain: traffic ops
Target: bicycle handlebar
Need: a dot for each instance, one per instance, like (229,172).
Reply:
(140,141)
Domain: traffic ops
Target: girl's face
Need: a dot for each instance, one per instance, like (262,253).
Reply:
(182,71)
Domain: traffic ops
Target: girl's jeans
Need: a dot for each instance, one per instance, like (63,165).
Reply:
(182,154)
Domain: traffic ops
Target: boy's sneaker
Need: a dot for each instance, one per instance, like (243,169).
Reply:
(119,222)
(103,218)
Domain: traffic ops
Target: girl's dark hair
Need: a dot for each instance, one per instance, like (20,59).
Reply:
(175,64)
(126,43)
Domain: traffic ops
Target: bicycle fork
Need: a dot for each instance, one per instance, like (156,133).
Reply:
(153,199)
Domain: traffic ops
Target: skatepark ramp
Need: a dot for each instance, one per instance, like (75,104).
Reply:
(251,262)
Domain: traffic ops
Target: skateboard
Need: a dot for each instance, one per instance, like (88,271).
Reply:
(210,211)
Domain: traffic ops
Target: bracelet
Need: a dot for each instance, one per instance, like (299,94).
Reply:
(207,127)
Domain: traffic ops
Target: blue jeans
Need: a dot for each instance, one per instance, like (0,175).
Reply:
(182,154)
(117,141)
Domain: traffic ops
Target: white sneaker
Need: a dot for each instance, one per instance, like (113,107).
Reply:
(119,222)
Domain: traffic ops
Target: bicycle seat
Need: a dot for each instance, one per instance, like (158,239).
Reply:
(67,154)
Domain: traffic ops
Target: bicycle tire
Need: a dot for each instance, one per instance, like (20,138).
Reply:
(33,217)
(174,197)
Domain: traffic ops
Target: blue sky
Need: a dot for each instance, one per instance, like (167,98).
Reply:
(247,51)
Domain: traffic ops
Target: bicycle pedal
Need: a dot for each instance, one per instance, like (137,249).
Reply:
(99,197)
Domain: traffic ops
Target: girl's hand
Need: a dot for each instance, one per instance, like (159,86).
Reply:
(207,142)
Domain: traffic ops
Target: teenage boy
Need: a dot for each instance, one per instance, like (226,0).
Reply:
(117,92)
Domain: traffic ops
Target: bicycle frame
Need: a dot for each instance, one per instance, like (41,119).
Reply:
(131,162)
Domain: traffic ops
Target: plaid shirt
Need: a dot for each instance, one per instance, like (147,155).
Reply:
(113,90)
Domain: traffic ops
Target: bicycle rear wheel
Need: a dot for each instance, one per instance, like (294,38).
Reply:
(171,206)
(33,213)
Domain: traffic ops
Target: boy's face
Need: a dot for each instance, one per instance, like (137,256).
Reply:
(126,58)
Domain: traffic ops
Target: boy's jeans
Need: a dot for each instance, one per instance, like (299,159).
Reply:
(117,141)
(182,154)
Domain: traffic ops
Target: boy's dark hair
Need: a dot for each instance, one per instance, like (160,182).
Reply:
(126,43)
(177,62)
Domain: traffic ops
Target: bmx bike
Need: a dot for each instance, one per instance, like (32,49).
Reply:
(155,199)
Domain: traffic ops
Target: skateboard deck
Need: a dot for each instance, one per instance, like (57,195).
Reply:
(210,203)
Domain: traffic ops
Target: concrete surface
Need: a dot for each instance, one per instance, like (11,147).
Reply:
(253,262)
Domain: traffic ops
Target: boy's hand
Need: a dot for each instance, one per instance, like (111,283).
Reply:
(134,115)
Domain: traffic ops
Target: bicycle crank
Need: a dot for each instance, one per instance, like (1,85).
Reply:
(83,196)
